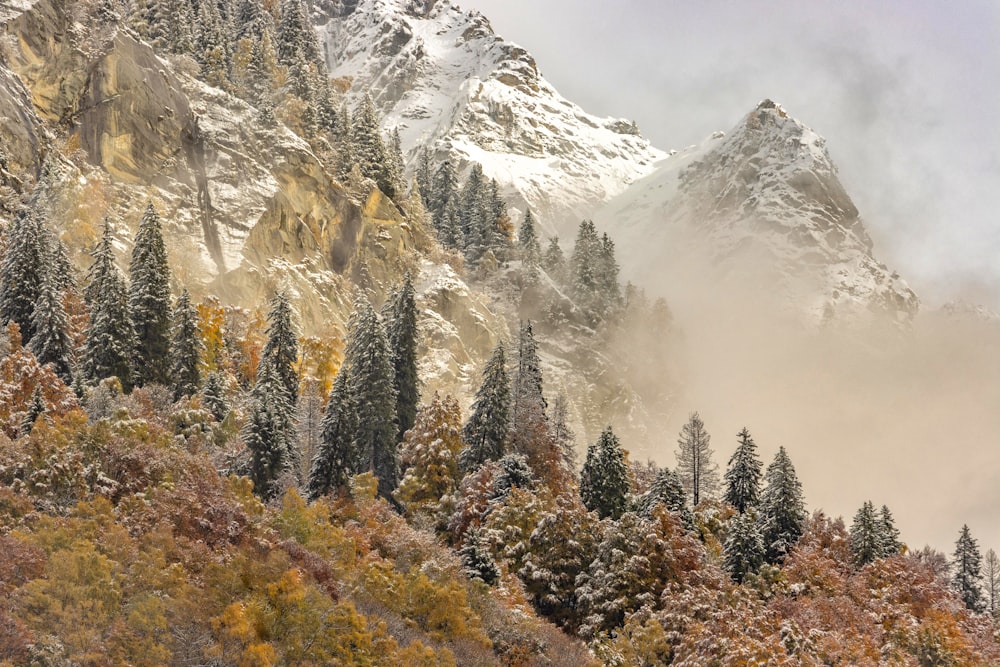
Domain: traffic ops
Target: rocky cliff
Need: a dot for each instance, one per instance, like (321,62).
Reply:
(762,202)
(447,81)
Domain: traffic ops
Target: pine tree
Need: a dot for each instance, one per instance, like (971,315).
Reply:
(866,536)
(609,290)
(604,479)
(563,433)
(743,474)
(529,424)
(186,347)
(401,330)
(214,396)
(782,508)
(668,491)
(22,271)
(697,471)
(444,189)
(51,343)
(149,301)
(371,386)
(268,433)
(343,143)
(477,561)
(888,534)
(585,268)
(337,458)
(297,40)
(35,410)
(370,151)
(486,432)
(967,567)
(449,226)
(282,349)
(554,261)
(110,336)
(743,550)
(424,176)
(531,251)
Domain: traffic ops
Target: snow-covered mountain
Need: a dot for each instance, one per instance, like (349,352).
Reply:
(762,203)
(445,80)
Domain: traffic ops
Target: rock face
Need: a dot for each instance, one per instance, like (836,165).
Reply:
(247,207)
(766,194)
(445,80)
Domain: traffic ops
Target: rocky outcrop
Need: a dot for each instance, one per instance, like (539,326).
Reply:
(765,197)
(447,81)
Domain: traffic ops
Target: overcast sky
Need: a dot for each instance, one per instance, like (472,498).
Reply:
(907,94)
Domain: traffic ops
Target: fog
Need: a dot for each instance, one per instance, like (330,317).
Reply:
(905,94)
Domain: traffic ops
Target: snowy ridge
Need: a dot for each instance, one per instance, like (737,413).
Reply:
(767,190)
(445,80)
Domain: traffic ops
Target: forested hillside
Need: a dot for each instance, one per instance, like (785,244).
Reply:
(238,433)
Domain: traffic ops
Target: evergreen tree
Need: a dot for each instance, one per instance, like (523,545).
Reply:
(149,301)
(563,434)
(697,471)
(110,336)
(424,176)
(743,550)
(214,396)
(486,432)
(477,561)
(297,40)
(370,151)
(529,422)
(51,343)
(782,508)
(531,251)
(268,433)
(281,350)
(343,143)
(449,227)
(35,410)
(554,261)
(371,385)
(186,347)
(401,329)
(991,576)
(22,271)
(604,479)
(337,458)
(888,534)
(585,269)
(443,190)
(866,536)
(668,491)
(609,290)
(967,568)
(743,474)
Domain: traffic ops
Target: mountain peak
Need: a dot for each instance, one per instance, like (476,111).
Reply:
(447,82)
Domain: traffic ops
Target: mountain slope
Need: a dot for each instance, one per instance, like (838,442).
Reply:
(762,204)
(445,80)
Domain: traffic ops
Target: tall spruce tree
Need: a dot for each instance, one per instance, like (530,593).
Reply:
(149,301)
(370,151)
(668,491)
(743,550)
(604,479)
(888,533)
(36,408)
(401,330)
(337,458)
(554,261)
(698,472)
(51,343)
(967,567)
(487,430)
(866,536)
(782,508)
(371,386)
(528,419)
(744,473)
(110,336)
(186,347)
(268,433)
(563,433)
(214,396)
(282,349)
(22,271)
(531,250)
